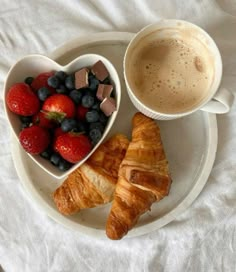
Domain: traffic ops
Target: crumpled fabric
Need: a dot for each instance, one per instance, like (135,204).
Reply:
(203,237)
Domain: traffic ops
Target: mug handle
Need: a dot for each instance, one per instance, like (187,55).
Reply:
(220,103)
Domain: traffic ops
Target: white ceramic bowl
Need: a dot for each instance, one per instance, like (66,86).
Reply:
(33,65)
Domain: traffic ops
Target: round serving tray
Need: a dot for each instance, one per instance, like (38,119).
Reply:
(190,144)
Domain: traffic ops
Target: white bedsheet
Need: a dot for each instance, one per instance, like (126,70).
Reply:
(203,238)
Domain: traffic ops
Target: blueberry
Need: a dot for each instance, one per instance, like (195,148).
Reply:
(55,159)
(29,80)
(46,154)
(87,101)
(95,135)
(103,118)
(68,124)
(93,82)
(61,89)
(43,93)
(64,165)
(70,82)
(96,125)
(76,96)
(106,81)
(24,125)
(96,105)
(81,127)
(25,121)
(92,116)
(88,91)
(61,75)
(53,81)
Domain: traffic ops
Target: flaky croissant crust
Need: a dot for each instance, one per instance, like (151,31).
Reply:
(93,183)
(143,177)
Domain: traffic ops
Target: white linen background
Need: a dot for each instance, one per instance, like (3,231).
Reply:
(203,238)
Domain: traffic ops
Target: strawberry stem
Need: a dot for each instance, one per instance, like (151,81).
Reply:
(55,116)
(74,133)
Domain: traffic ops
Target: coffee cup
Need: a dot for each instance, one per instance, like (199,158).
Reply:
(173,68)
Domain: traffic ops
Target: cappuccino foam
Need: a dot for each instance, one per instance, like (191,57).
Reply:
(171,75)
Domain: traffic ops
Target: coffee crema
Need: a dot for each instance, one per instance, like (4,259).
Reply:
(170,75)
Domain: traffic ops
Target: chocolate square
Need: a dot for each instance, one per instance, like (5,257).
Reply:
(81,78)
(100,70)
(108,106)
(104,91)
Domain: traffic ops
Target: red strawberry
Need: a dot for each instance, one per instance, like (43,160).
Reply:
(81,112)
(60,105)
(73,147)
(42,81)
(42,119)
(34,139)
(22,100)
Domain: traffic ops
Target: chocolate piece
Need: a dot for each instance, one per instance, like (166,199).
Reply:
(81,78)
(108,106)
(104,91)
(100,71)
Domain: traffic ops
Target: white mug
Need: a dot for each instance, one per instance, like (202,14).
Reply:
(217,100)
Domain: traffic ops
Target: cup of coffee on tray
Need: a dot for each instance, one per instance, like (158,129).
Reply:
(173,68)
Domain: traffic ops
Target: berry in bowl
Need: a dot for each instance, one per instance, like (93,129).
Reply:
(61,114)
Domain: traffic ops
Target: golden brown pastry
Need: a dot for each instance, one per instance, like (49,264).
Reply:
(93,183)
(143,177)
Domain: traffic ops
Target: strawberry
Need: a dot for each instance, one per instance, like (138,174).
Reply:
(42,119)
(73,147)
(42,81)
(22,100)
(60,106)
(81,112)
(34,139)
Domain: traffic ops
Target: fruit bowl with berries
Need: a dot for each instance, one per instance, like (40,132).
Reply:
(61,114)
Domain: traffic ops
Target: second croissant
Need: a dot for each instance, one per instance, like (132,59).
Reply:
(93,183)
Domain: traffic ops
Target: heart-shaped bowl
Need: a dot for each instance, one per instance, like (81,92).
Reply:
(33,65)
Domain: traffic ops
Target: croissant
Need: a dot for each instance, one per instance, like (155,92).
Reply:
(143,177)
(93,183)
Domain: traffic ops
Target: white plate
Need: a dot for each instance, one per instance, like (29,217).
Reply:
(190,145)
